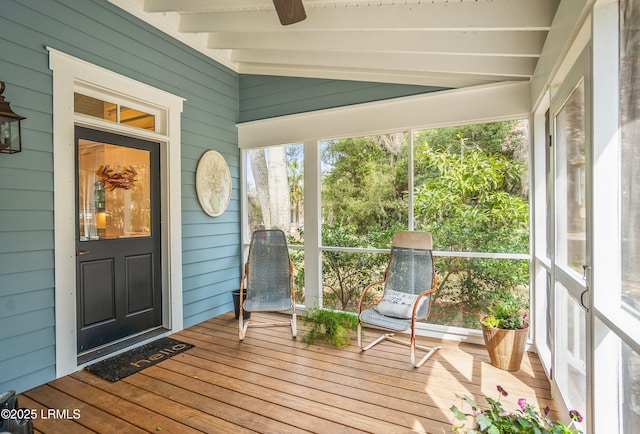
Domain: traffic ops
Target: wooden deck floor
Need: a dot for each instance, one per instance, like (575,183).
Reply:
(272,384)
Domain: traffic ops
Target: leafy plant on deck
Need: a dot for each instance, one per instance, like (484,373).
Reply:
(332,326)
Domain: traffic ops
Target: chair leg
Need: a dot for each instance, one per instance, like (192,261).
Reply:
(412,346)
(241,327)
(377,341)
(244,329)
(294,324)
(430,352)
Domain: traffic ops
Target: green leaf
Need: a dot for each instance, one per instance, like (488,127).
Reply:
(484,422)
(469,401)
(493,430)
(457,413)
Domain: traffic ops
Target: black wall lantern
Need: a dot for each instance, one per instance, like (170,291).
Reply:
(10,140)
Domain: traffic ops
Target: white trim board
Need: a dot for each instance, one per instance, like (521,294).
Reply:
(479,104)
(69,74)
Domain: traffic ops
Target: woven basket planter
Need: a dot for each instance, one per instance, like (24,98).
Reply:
(505,347)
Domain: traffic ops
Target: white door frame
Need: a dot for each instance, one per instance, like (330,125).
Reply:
(577,283)
(69,74)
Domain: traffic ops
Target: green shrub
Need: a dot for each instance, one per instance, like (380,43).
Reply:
(332,326)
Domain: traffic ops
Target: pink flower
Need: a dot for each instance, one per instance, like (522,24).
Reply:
(502,391)
(575,415)
(546,410)
(522,403)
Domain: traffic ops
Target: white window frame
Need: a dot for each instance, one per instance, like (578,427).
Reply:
(71,75)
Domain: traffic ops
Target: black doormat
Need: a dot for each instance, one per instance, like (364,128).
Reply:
(125,364)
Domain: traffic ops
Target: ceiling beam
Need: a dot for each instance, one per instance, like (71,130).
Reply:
(377,75)
(493,15)
(200,5)
(512,67)
(510,43)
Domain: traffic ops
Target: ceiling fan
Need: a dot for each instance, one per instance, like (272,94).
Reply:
(289,11)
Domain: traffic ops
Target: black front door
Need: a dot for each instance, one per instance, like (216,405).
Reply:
(118,258)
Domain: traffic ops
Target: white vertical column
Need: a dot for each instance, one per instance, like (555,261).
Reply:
(312,225)
(603,361)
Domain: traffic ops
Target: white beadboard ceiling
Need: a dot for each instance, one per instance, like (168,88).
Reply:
(448,43)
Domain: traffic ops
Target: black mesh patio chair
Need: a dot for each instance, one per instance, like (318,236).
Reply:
(267,281)
(408,285)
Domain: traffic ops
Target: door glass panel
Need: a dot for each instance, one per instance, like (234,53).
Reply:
(571,354)
(631,389)
(114,192)
(630,153)
(630,203)
(544,321)
(570,181)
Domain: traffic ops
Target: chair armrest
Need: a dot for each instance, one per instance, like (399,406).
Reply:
(364,293)
(243,278)
(416,303)
(291,282)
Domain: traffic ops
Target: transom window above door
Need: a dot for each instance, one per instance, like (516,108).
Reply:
(114,112)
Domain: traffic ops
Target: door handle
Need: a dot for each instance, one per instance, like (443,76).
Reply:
(585,270)
(584,306)
(82,252)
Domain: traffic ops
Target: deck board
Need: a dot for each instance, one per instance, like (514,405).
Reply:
(273,383)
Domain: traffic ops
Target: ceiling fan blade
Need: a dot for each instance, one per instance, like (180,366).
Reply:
(290,11)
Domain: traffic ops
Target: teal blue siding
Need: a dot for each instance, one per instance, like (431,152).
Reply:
(263,97)
(100,33)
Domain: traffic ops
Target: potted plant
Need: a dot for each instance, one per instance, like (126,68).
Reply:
(330,325)
(505,332)
(494,419)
